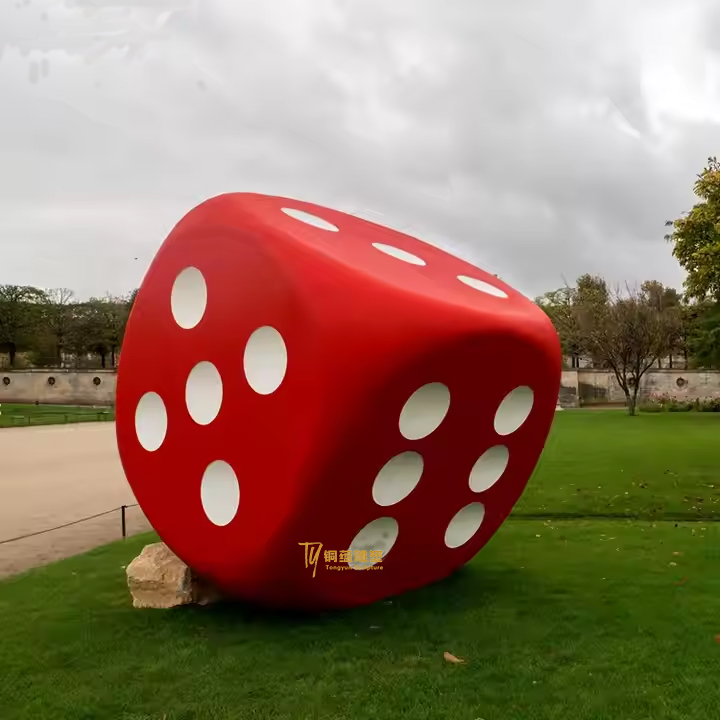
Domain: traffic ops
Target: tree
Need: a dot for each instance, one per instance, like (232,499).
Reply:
(660,297)
(116,311)
(58,314)
(131,299)
(83,332)
(100,327)
(703,339)
(696,237)
(688,319)
(558,306)
(591,298)
(19,317)
(53,324)
(666,301)
(591,290)
(627,334)
(561,307)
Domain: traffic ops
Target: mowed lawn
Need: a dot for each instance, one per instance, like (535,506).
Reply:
(16,415)
(606,463)
(582,619)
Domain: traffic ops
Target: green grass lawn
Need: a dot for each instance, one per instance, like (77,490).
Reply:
(556,619)
(16,415)
(581,620)
(605,463)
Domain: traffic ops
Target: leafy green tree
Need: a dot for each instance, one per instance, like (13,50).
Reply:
(563,306)
(660,297)
(668,301)
(591,290)
(696,237)
(703,339)
(591,298)
(558,306)
(688,319)
(116,311)
(86,332)
(20,313)
(99,328)
(57,317)
(131,299)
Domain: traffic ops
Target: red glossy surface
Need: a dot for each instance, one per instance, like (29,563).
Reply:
(363,330)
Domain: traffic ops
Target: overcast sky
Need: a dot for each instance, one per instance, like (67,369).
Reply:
(538,139)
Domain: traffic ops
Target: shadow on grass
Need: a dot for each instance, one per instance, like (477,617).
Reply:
(553,617)
(93,587)
(413,617)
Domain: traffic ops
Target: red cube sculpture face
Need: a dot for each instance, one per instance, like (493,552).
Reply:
(315,411)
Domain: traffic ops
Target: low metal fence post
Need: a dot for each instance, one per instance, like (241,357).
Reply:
(122,509)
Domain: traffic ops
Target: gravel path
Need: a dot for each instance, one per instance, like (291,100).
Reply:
(54,475)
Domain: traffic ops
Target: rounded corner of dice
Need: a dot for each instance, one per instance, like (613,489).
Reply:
(311,410)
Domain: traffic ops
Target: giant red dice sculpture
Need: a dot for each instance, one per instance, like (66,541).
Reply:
(316,412)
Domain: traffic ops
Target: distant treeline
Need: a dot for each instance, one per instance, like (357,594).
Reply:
(628,331)
(52,328)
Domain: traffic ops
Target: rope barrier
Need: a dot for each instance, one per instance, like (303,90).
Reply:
(122,509)
(667,517)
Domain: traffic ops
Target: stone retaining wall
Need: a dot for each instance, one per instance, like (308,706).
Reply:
(60,387)
(578,387)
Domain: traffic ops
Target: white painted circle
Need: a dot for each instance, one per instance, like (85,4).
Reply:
(309,219)
(424,410)
(399,254)
(204,393)
(488,468)
(151,421)
(397,478)
(464,525)
(380,534)
(482,286)
(188,298)
(513,410)
(265,360)
(220,493)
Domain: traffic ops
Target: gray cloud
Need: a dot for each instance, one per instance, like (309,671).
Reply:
(525,138)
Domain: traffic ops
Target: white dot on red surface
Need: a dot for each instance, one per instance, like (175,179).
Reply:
(482,286)
(488,468)
(309,219)
(151,421)
(220,493)
(399,254)
(397,478)
(513,410)
(204,393)
(265,360)
(424,410)
(464,525)
(188,298)
(379,534)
